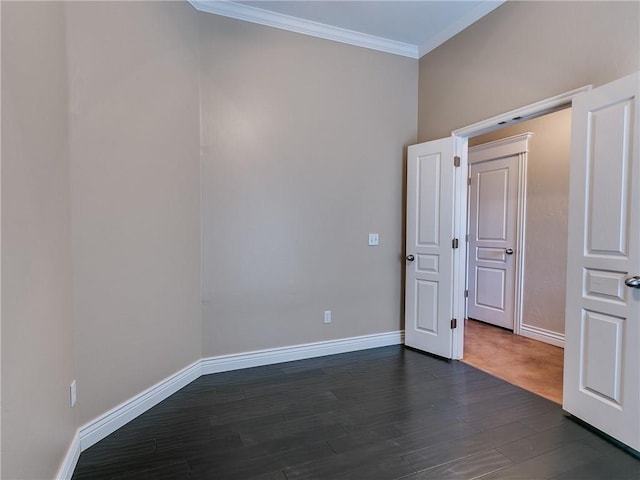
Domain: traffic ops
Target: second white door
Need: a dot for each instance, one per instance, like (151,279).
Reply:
(602,347)
(429,275)
(492,240)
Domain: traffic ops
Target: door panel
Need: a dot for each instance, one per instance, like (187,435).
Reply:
(602,359)
(492,230)
(609,131)
(429,270)
(490,287)
(602,367)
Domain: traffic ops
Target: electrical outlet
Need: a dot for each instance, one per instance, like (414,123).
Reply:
(374,239)
(73,394)
(327,316)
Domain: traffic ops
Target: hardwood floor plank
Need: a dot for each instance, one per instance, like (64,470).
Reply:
(542,442)
(548,465)
(617,466)
(173,471)
(494,417)
(472,466)
(448,451)
(351,466)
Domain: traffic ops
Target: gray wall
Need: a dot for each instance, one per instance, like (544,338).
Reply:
(523,52)
(37,325)
(303,142)
(135,196)
(101,196)
(546,217)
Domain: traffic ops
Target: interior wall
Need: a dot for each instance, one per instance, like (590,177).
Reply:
(521,53)
(546,217)
(38,424)
(135,185)
(303,143)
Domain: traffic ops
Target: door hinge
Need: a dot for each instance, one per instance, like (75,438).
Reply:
(454,323)
(469,181)
(466,293)
(454,243)
(456,161)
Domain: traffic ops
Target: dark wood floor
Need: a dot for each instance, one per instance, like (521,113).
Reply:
(384,413)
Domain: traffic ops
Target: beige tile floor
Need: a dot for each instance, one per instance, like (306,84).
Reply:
(527,363)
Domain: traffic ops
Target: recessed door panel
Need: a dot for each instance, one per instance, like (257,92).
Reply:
(428,210)
(605,285)
(601,355)
(492,203)
(490,288)
(427,306)
(427,263)
(608,141)
(491,254)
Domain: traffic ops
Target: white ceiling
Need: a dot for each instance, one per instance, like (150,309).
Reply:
(409,28)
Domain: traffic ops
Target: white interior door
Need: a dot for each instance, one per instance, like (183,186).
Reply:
(602,346)
(429,270)
(493,199)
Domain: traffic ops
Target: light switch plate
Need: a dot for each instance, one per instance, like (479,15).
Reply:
(73,395)
(374,239)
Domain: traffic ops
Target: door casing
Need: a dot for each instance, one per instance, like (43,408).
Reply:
(460,147)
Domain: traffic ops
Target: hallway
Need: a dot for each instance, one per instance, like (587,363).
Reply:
(527,363)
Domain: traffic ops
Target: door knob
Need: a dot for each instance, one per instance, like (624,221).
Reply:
(509,251)
(410,258)
(633,282)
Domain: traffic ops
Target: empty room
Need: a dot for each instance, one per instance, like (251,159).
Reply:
(233,238)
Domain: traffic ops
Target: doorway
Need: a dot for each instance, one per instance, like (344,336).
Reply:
(436,266)
(539,251)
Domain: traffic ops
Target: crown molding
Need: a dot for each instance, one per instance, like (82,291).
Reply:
(306,27)
(460,24)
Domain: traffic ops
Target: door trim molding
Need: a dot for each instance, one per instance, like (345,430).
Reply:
(504,147)
(521,114)
(460,145)
(521,237)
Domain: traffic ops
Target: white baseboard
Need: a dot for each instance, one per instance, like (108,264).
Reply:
(259,358)
(542,335)
(70,459)
(107,423)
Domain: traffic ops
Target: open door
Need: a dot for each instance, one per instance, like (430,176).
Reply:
(602,346)
(429,248)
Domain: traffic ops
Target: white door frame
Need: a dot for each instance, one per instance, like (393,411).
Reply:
(460,148)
